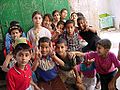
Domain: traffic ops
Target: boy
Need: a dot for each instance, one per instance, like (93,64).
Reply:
(106,64)
(74,40)
(66,72)
(19,76)
(45,66)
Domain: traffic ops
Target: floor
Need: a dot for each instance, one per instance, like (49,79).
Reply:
(114,36)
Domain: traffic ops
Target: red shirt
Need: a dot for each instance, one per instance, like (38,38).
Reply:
(18,79)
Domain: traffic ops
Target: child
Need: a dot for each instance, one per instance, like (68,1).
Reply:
(59,31)
(19,76)
(88,33)
(56,17)
(63,14)
(16,32)
(89,74)
(66,72)
(45,64)
(106,64)
(47,22)
(8,37)
(74,41)
(37,31)
(74,17)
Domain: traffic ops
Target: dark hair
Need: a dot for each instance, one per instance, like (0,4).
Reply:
(21,46)
(73,13)
(36,12)
(49,16)
(42,40)
(69,22)
(60,22)
(106,43)
(79,14)
(61,40)
(13,27)
(81,18)
(12,23)
(55,12)
(63,10)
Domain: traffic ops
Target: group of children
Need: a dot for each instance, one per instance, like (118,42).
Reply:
(58,54)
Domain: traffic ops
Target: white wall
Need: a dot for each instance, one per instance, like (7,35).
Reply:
(92,8)
(114,10)
(88,8)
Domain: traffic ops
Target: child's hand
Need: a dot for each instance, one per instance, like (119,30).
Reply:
(37,53)
(58,32)
(37,88)
(71,55)
(90,61)
(52,50)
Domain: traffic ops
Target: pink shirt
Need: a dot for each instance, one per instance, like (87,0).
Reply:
(104,65)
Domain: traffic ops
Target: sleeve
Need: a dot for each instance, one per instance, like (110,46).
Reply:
(10,81)
(115,61)
(8,40)
(23,34)
(90,55)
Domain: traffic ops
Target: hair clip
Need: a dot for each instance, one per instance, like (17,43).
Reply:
(14,27)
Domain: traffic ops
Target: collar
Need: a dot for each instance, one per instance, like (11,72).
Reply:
(18,70)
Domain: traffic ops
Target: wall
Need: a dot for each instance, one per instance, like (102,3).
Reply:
(88,8)
(110,7)
(21,10)
(114,10)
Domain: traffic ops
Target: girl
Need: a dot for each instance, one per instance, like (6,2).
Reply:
(74,17)
(56,17)
(88,33)
(47,22)
(37,31)
(63,14)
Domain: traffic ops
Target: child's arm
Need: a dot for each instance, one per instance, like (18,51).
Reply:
(57,60)
(6,62)
(37,56)
(119,52)
(79,82)
(34,85)
(77,53)
(92,29)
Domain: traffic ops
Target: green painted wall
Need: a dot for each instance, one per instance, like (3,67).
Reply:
(21,10)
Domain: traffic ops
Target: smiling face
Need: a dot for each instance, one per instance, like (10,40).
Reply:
(101,50)
(82,24)
(61,49)
(23,57)
(37,19)
(45,48)
(46,22)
